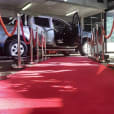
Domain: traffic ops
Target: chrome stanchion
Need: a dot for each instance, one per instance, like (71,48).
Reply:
(97,56)
(19,42)
(42,47)
(103,60)
(19,63)
(45,48)
(88,47)
(93,42)
(37,46)
(31,47)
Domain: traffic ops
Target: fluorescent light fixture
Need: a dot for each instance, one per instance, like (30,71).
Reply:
(71,13)
(27,6)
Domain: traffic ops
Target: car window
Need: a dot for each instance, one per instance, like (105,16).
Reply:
(44,22)
(8,20)
(58,24)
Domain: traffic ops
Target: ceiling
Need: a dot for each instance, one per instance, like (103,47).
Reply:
(44,7)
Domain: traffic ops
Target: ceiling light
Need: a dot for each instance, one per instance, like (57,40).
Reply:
(27,6)
(50,3)
(71,13)
(65,0)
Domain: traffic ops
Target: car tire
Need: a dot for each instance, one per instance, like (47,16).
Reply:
(13,48)
(84,49)
(66,53)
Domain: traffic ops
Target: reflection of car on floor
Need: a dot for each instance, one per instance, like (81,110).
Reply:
(60,35)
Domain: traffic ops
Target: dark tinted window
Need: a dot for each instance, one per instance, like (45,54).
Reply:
(25,19)
(110,0)
(44,22)
(100,1)
(7,21)
(58,23)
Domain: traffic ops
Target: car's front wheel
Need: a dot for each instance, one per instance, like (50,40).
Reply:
(66,53)
(13,48)
(85,48)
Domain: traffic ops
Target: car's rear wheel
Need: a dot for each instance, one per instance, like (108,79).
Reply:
(13,48)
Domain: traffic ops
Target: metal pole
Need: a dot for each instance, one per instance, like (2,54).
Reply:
(91,24)
(94,42)
(31,47)
(37,45)
(45,48)
(87,47)
(19,42)
(103,44)
(91,42)
(97,41)
(92,37)
(42,48)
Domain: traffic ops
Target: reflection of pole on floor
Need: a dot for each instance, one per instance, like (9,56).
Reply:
(31,47)
(103,43)
(19,42)
(37,45)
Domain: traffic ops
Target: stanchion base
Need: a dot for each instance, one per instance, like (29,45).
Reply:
(15,66)
(97,59)
(93,58)
(31,63)
(45,58)
(90,57)
(37,61)
(102,61)
(42,59)
(3,77)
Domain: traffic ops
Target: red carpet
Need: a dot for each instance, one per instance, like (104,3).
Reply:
(65,85)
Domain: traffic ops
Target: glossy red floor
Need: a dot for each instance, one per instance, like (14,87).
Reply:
(65,85)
